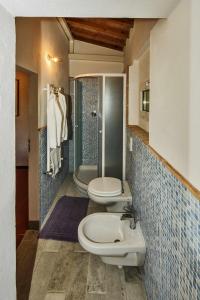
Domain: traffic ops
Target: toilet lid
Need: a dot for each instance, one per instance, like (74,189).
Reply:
(105,186)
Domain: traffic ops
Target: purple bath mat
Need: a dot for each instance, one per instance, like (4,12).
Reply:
(63,222)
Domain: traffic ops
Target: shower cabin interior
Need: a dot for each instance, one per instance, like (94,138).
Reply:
(99,127)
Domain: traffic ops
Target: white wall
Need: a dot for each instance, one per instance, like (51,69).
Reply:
(90,8)
(28,45)
(55,43)
(194,109)
(94,59)
(138,40)
(133,94)
(36,38)
(7,161)
(87,48)
(144,70)
(137,55)
(175,105)
(78,67)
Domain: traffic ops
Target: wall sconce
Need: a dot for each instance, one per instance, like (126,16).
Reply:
(54,59)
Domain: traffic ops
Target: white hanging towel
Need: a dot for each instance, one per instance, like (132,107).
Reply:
(59,121)
(51,121)
(62,101)
(51,128)
(54,133)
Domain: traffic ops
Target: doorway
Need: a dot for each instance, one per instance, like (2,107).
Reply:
(27,187)
(22,153)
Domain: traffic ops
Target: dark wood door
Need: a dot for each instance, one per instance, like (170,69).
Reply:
(22,154)
(21,202)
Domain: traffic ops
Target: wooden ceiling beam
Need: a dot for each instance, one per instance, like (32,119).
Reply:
(101,38)
(127,21)
(121,25)
(97,35)
(78,25)
(106,32)
(98,42)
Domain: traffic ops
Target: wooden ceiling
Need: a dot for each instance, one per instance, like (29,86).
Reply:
(111,33)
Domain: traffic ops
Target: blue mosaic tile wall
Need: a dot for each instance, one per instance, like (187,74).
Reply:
(71,141)
(49,186)
(170,221)
(89,123)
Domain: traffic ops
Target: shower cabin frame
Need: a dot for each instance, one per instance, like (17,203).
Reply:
(103,76)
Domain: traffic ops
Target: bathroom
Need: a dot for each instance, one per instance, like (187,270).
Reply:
(128,174)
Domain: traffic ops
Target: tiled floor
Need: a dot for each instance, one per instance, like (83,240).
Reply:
(65,271)
(26,253)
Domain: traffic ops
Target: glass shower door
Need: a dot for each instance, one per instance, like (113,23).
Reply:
(113,120)
(86,130)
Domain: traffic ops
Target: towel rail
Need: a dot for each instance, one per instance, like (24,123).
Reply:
(52,88)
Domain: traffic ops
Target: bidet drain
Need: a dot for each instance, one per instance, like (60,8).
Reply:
(116,241)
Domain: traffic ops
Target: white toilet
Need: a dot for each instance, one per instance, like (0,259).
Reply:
(110,237)
(111,192)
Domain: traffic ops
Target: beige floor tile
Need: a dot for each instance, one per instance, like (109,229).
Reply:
(46,246)
(66,271)
(115,283)
(30,235)
(93,204)
(96,281)
(135,291)
(92,210)
(133,274)
(96,297)
(95,207)
(71,188)
(25,259)
(40,247)
(76,286)
(67,246)
(134,284)
(41,275)
(55,296)
(78,248)
(52,246)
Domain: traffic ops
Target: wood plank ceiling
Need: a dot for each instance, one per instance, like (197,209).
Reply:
(110,32)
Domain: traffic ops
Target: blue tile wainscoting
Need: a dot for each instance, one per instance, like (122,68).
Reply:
(49,186)
(170,221)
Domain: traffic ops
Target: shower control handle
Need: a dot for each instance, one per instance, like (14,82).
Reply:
(76,126)
(94,113)
(100,131)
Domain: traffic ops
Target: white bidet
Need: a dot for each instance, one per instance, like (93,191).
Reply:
(106,235)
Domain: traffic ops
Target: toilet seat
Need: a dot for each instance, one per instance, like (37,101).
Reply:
(105,187)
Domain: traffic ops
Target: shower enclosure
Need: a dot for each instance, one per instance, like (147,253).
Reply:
(99,127)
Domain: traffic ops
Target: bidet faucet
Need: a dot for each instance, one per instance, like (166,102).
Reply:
(131,215)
